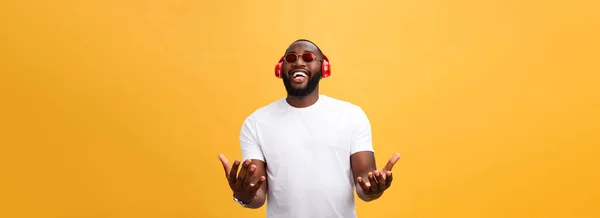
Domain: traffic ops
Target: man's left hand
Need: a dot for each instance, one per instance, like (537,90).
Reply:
(378,180)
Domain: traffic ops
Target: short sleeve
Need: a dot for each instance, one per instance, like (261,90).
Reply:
(361,136)
(249,141)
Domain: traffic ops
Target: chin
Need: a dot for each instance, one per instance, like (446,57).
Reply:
(303,89)
(300,87)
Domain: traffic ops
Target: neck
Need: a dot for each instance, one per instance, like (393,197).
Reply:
(304,101)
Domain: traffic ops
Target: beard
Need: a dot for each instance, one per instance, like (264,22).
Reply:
(311,85)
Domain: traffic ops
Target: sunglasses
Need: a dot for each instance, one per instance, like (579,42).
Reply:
(306,57)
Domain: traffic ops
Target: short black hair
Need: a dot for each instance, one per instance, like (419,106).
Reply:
(306,40)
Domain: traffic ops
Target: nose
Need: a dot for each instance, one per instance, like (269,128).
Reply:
(299,62)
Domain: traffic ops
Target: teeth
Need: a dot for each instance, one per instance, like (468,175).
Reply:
(299,74)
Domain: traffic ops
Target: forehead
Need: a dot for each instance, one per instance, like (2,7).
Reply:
(302,47)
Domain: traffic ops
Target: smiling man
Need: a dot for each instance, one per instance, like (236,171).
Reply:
(306,153)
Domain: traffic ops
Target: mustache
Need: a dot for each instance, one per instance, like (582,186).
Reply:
(299,69)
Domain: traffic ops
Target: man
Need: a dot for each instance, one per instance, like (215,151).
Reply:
(307,151)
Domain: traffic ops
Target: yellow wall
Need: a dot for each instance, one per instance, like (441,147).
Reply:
(119,108)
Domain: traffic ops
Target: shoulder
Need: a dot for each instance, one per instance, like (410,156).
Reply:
(266,110)
(344,106)
(250,122)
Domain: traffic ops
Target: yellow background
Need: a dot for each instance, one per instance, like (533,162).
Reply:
(118,109)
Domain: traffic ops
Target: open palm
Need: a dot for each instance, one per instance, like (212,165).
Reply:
(379,180)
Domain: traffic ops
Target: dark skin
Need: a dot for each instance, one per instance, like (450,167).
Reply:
(370,182)
(250,184)
(312,67)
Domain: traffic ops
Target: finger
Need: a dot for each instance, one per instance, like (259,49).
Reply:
(390,164)
(373,182)
(233,173)
(249,176)
(242,175)
(388,179)
(380,179)
(225,163)
(366,188)
(255,187)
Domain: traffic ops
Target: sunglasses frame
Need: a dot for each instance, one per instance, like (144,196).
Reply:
(298,56)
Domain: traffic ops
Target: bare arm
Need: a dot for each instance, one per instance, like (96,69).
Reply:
(251,184)
(370,183)
(363,163)
(261,195)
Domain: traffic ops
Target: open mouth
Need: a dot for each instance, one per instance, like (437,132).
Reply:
(299,76)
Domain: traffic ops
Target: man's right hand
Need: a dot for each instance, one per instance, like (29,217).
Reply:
(241,183)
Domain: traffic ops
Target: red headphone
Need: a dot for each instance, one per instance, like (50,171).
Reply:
(325,68)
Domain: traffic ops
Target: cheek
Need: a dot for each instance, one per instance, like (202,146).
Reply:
(285,68)
(315,67)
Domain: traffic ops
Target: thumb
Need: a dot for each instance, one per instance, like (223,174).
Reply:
(390,164)
(225,163)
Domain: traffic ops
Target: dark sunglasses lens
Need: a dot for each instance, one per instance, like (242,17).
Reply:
(307,57)
(291,58)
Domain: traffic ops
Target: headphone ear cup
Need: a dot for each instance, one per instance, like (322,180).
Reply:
(325,69)
(278,70)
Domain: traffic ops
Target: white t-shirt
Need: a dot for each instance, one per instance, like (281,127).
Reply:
(307,154)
